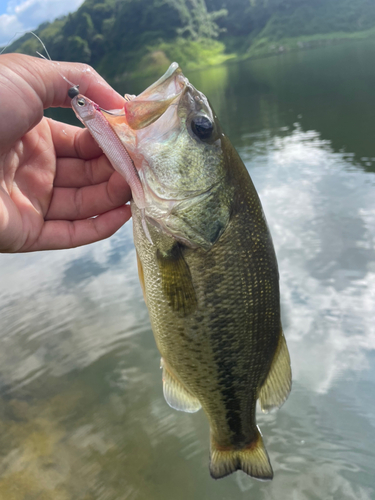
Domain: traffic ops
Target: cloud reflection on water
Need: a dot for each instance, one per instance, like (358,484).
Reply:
(322,216)
(56,306)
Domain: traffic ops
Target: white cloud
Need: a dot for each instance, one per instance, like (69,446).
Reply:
(9,26)
(29,14)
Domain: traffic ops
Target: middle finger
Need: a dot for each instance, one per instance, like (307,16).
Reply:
(88,201)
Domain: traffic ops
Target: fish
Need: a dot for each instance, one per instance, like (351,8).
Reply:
(208,272)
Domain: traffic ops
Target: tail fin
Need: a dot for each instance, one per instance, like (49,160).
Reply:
(253,459)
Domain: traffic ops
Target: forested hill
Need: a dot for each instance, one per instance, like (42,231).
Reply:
(143,36)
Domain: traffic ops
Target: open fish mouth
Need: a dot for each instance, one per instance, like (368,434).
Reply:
(146,108)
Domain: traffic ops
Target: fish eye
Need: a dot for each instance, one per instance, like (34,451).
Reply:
(202,127)
(81,102)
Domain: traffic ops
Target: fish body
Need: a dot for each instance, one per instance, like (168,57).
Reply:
(209,273)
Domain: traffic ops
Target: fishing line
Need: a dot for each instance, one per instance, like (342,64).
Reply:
(74,86)
(74,89)
(36,36)
(39,54)
(13,37)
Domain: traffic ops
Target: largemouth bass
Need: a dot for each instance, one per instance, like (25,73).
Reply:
(208,270)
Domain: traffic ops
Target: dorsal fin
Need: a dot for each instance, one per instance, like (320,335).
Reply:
(278,383)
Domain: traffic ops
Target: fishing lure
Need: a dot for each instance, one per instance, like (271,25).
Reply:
(90,114)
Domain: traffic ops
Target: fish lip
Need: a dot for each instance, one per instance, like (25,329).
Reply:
(161,89)
(153,102)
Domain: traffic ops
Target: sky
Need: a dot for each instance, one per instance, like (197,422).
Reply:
(18,16)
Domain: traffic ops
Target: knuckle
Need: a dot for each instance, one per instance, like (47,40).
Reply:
(78,202)
(85,68)
(89,172)
(76,143)
(72,235)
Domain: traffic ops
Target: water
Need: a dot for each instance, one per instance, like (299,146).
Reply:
(82,416)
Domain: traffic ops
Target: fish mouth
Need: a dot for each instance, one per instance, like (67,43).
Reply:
(148,106)
(135,123)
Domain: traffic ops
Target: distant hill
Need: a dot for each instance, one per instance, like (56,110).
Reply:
(135,37)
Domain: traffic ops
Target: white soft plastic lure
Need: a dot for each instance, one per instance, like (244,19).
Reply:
(90,114)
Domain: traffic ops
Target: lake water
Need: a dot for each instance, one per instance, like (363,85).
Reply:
(82,415)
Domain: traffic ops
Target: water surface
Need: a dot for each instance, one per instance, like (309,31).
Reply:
(82,415)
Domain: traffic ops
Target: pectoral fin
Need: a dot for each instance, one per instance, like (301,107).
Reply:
(176,395)
(278,383)
(176,278)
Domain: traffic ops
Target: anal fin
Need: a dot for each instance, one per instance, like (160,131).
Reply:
(252,459)
(176,395)
(278,383)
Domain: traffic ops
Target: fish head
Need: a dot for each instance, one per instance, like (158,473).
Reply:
(84,108)
(175,141)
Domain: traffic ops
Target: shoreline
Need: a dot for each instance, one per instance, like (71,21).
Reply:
(261,48)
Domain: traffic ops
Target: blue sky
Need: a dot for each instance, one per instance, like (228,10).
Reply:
(23,15)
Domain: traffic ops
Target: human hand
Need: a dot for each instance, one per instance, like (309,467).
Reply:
(54,178)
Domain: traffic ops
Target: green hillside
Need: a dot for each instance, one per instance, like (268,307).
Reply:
(134,37)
